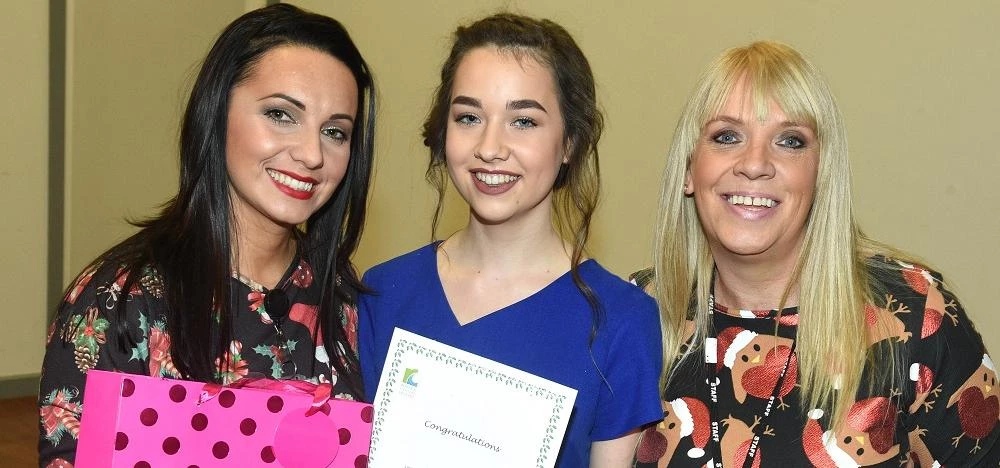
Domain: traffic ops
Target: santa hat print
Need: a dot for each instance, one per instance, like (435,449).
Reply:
(988,363)
(820,447)
(731,341)
(694,418)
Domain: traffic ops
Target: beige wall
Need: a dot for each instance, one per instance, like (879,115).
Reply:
(130,66)
(23,179)
(916,81)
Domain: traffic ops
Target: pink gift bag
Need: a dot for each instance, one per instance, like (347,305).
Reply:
(139,421)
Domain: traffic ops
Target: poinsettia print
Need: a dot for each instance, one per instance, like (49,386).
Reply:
(232,367)
(160,362)
(349,321)
(303,275)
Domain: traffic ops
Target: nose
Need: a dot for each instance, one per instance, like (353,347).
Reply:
(755,162)
(308,150)
(491,146)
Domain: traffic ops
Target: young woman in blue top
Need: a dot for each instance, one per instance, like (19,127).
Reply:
(514,124)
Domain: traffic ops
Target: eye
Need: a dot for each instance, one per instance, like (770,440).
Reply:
(726,137)
(756,347)
(467,119)
(744,358)
(336,134)
(524,122)
(279,116)
(792,142)
(847,440)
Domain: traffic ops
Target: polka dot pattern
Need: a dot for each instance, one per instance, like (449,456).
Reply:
(164,422)
(248,426)
(177,393)
(227,398)
(121,441)
(148,417)
(275,403)
(128,388)
(171,445)
(267,454)
(220,450)
(199,422)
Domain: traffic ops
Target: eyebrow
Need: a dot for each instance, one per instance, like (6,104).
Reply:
(302,106)
(517,104)
(525,104)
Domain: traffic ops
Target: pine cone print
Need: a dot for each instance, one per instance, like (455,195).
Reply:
(153,283)
(84,358)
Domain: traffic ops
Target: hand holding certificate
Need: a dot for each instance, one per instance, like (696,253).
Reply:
(438,406)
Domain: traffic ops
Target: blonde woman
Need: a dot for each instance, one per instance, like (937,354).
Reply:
(791,338)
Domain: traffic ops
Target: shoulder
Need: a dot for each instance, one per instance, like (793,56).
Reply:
(617,295)
(930,313)
(405,264)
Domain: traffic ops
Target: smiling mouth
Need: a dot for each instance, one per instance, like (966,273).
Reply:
(751,201)
(495,179)
(290,182)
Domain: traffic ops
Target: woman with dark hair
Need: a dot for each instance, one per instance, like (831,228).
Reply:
(514,124)
(277,135)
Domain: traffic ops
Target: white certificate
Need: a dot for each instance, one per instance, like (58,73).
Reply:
(438,406)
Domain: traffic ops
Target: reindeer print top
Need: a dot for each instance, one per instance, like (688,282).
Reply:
(261,346)
(944,412)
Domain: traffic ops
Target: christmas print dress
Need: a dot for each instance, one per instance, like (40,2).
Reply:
(943,410)
(81,338)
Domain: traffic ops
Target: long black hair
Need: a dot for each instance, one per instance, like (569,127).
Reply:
(189,243)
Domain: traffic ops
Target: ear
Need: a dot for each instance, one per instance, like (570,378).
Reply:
(688,186)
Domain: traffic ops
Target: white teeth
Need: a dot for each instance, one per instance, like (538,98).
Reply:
(751,201)
(290,182)
(495,179)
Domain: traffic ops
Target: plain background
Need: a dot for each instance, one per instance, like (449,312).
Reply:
(916,82)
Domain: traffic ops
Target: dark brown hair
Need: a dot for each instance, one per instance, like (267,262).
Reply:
(577,187)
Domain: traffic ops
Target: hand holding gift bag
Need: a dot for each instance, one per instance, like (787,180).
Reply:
(134,420)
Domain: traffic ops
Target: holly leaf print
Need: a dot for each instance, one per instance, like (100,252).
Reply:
(141,350)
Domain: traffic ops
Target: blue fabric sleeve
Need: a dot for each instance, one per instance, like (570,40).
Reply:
(631,398)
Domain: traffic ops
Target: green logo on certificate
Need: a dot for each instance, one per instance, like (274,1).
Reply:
(408,375)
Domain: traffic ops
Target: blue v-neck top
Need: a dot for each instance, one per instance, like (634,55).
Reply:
(546,334)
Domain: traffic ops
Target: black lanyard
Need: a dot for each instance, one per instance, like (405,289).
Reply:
(713,399)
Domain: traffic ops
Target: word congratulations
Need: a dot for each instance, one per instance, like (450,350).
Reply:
(461,435)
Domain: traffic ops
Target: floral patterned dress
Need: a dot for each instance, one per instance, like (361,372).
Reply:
(263,347)
(944,412)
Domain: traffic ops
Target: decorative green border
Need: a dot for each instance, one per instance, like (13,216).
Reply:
(392,382)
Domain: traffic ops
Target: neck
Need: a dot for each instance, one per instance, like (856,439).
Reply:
(747,284)
(262,255)
(507,248)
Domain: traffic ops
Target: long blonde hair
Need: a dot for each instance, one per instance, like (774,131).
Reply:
(831,271)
